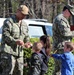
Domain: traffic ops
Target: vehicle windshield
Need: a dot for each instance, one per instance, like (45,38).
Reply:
(35,31)
(49,30)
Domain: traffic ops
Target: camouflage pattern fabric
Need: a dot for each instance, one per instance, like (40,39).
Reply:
(36,62)
(61,34)
(57,64)
(5,63)
(11,32)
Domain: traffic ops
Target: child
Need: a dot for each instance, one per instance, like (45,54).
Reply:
(67,59)
(36,60)
(45,40)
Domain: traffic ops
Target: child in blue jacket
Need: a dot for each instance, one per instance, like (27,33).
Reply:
(67,59)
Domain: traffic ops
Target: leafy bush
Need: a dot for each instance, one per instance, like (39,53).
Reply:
(73,40)
(50,66)
(27,55)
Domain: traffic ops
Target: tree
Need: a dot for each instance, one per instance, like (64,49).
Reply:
(46,9)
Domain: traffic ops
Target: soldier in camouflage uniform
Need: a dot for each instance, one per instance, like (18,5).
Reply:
(61,33)
(14,38)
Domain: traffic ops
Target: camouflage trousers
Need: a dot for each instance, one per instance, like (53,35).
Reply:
(57,66)
(11,65)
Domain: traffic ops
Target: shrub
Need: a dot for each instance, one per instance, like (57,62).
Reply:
(27,55)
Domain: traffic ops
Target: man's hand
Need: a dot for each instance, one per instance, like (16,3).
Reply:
(19,42)
(28,45)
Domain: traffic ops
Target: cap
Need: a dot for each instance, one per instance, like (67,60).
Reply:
(24,9)
(70,8)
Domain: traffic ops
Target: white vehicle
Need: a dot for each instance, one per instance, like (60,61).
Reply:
(37,27)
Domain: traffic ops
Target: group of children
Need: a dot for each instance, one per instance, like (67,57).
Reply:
(41,53)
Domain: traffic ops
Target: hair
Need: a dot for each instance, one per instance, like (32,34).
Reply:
(37,46)
(66,8)
(70,45)
(46,41)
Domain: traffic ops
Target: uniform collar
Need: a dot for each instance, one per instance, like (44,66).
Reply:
(15,20)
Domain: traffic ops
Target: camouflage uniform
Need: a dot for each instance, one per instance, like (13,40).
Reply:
(61,34)
(36,64)
(12,53)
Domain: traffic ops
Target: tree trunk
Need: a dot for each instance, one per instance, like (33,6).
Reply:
(4,8)
(10,7)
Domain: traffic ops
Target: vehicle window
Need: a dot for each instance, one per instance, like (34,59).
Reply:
(35,31)
(49,30)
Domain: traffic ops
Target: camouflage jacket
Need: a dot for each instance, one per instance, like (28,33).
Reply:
(61,32)
(36,63)
(11,32)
